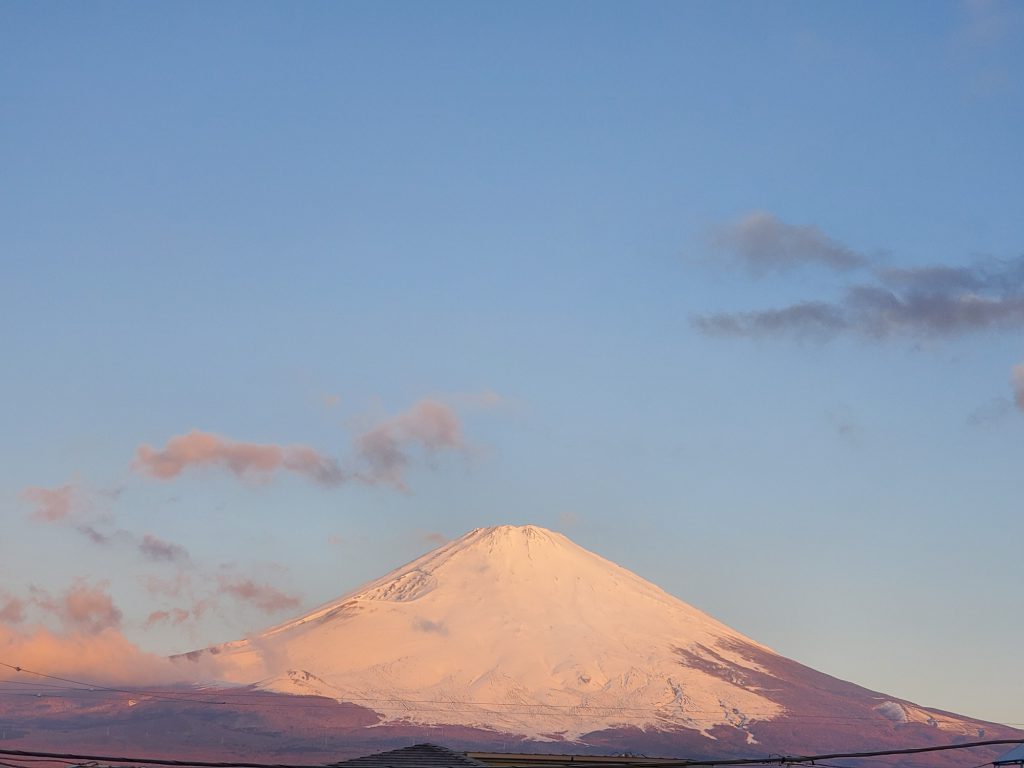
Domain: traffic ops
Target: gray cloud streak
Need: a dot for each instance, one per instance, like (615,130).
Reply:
(764,243)
(935,301)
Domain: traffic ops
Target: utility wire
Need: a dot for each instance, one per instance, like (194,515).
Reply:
(638,762)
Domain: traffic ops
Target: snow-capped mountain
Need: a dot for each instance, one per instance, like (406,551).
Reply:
(518,630)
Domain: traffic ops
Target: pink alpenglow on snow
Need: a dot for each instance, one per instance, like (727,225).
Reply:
(524,632)
(249,460)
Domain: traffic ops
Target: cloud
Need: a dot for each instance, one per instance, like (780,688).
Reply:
(12,609)
(992,412)
(263,596)
(432,627)
(105,658)
(988,22)
(568,519)
(250,460)
(155,548)
(1017,377)
(764,243)
(52,505)
(892,711)
(175,616)
(809,319)
(172,587)
(429,424)
(83,609)
(435,538)
(934,302)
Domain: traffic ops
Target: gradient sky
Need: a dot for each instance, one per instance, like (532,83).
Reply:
(731,294)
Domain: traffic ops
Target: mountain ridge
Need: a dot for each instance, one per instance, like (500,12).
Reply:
(519,630)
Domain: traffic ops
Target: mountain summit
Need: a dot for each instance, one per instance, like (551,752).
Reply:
(518,630)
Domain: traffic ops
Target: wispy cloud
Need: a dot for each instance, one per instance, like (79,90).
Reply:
(83,608)
(430,626)
(262,596)
(995,410)
(988,22)
(380,454)
(68,506)
(934,301)
(384,450)
(1017,378)
(52,504)
(174,616)
(568,519)
(809,319)
(764,243)
(250,460)
(154,548)
(12,609)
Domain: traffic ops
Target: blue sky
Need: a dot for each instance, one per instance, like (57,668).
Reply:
(504,264)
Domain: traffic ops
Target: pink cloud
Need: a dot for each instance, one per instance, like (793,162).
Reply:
(12,610)
(1018,385)
(175,616)
(429,424)
(250,460)
(104,658)
(51,504)
(155,548)
(84,608)
(263,596)
(169,587)
(435,538)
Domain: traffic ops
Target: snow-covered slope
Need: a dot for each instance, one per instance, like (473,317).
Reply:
(519,630)
(513,628)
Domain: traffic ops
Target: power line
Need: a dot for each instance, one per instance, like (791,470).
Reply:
(637,762)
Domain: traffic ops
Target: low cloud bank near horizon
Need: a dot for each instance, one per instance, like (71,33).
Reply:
(77,634)
(105,658)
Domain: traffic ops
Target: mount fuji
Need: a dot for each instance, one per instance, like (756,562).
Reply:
(516,630)
(508,638)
